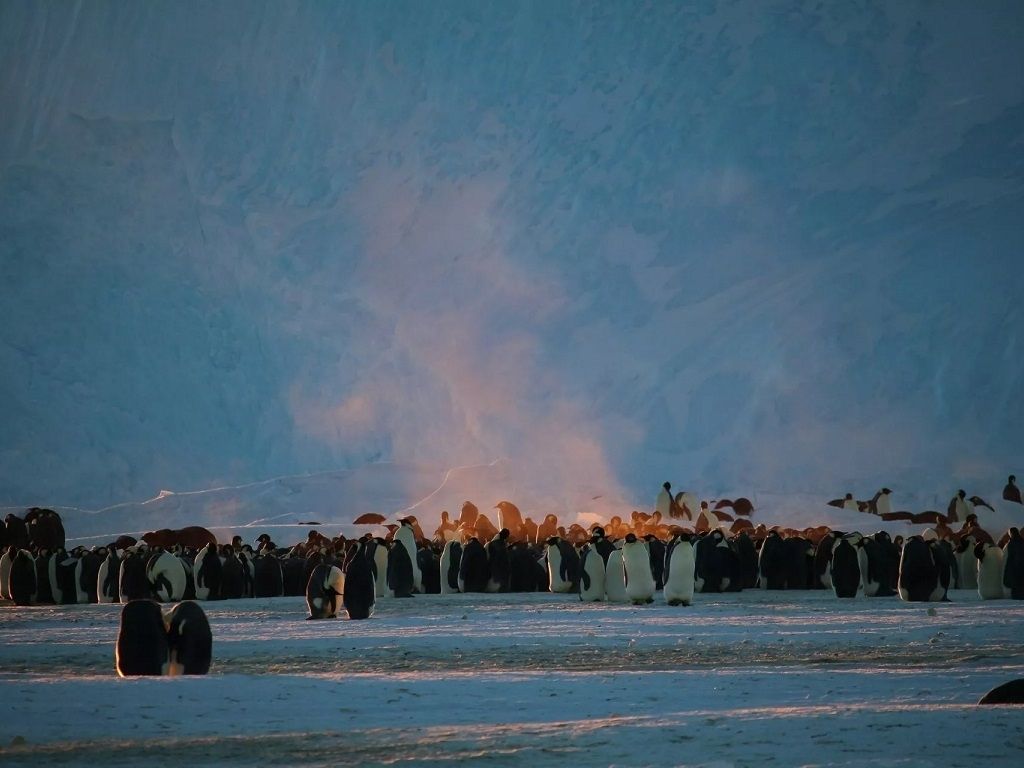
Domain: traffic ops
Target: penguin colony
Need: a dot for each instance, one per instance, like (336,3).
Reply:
(621,561)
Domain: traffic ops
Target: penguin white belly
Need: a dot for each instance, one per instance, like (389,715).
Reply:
(615,578)
(380,560)
(868,587)
(555,581)
(592,583)
(679,586)
(639,579)
(446,566)
(5,576)
(967,569)
(990,575)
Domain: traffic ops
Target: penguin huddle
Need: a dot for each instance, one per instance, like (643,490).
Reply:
(151,642)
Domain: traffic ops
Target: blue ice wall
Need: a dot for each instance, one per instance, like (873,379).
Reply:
(754,244)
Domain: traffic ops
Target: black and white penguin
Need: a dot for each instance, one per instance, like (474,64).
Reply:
(189,640)
(232,574)
(523,569)
(712,569)
(615,578)
(430,568)
(966,563)
(86,572)
(799,562)
(17,532)
(142,647)
(406,537)
(822,578)
(44,593)
(166,576)
(269,578)
(451,557)
(206,572)
(592,575)
(877,574)
(664,502)
(600,542)
(1013,565)
(656,549)
(360,591)
(680,565)
(106,578)
(1010,491)
(380,551)
(324,592)
(989,571)
(247,559)
(64,569)
(401,576)
(23,578)
(6,561)
(747,557)
(132,583)
(772,562)
(563,566)
(639,580)
(921,577)
(844,569)
(474,570)
(293,572)
(498,561)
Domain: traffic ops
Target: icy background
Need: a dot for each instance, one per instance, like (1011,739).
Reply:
(746,246)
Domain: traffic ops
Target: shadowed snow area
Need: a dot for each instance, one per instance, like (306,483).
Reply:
(530,679)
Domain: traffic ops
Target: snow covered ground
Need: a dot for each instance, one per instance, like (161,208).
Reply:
(758,678)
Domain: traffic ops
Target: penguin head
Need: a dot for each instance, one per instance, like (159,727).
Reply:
(1013,479)
(597,533)
(504,533)
(630,538)
(961,493)
(667,486)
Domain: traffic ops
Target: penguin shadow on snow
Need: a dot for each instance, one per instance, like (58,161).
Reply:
(151,642)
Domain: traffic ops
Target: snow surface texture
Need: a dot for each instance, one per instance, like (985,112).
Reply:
(778,678)
(754,244)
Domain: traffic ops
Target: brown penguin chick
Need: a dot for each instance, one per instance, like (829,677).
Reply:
(548,528)
(440,535)
(485,529)
(510,517)
(469,513)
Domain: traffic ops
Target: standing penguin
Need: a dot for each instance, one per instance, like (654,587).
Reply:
(1013,565)
(1010,491)
(592,575)
(86,573)
(232,574)
(615,578)
(656,550)
(6,561)
(132,583)
(324,592)
(921,577)
(474,570)
(378,548)
(360,591)
(822,578)
(990,571)
(400,570)
(23,578)
(430,567)
(679,570)
(142,647)
(664,503)
(207,573)
(772,562)
(498,561)
(189,640)
(106,578)
(844,569)
(966,563)
(269,578)
(451,557)
(639,579)
(563,566)
(406,537)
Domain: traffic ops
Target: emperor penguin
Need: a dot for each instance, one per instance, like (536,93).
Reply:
(664,502)
(360,593)
(883,502)
(959,507)
(474,569)
(132,583)
(106,579)
(1013,565)
(380,566)
(406,537)
(561,574)
(451,556)
(592,575)
(23,578)
(615,578)
(401,573)
(324,592)
(639,580)
(207,573)
(967,563)
(142,647)
(86,572)
(772,562)
(679,570)
(688,505)
(166,575)
(189,640)
(6,561)
(845,567)
(989,571)
(499,563)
